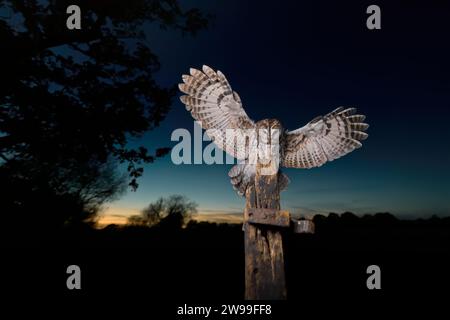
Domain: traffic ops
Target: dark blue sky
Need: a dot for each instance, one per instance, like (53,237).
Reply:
(294,60)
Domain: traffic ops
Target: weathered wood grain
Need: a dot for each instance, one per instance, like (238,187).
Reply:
(264,259)
(269,217)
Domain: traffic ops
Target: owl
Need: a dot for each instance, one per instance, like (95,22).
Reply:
(218,109)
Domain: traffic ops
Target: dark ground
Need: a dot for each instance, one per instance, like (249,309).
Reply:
(162,268)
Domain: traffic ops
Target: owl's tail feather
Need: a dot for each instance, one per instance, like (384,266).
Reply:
(242,175)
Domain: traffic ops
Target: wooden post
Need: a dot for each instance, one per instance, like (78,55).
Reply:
(264,260)
(263,223)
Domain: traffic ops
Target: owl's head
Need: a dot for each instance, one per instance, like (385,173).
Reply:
(269,131)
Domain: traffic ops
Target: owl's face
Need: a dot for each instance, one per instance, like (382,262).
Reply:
(269,133)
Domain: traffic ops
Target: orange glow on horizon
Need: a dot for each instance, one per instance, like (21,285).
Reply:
(119,216)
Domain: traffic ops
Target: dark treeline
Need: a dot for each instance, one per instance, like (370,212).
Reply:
(347,232)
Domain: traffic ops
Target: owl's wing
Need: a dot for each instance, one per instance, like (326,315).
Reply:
(324,139)
(218,109)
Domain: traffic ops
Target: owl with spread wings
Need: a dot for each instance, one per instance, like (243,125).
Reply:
(218,109)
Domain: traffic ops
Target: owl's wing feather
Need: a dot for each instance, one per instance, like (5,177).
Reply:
(325,138)
(218,109)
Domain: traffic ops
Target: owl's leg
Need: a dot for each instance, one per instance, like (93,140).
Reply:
(241,176)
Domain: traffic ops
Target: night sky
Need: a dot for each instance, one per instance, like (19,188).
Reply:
(294,61)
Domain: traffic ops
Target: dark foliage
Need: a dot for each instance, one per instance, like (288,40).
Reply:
(70,100)
(167,213)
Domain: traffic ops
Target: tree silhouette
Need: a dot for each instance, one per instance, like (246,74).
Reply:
(170,213)
(70,100)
